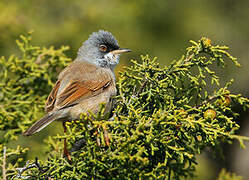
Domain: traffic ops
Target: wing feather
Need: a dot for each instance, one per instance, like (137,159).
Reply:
(52,97)
(87,80)
(81,91)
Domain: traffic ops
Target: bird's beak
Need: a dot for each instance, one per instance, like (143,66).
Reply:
(120,51)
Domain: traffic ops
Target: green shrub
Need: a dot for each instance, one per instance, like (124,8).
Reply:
(224,175)
(163,116)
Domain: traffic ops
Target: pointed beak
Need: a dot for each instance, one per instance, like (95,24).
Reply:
(120,51)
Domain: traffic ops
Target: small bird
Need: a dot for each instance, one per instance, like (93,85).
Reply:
(85,84)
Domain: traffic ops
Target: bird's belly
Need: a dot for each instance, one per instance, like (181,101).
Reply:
(92,104)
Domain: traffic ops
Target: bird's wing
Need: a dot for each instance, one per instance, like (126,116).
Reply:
(87,80)
(79,90)
(52,97)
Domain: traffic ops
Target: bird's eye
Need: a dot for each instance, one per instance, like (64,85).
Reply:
(103,48)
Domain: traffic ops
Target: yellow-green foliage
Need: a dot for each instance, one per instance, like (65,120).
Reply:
(24,85)
(159,123)
(224,175)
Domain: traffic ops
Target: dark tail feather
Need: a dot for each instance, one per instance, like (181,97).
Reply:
(39,125)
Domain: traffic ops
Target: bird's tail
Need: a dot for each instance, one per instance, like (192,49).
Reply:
(42,123)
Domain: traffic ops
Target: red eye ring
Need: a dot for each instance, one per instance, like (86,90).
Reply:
(103,48)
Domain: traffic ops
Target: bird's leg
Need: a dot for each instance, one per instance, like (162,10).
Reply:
(96,133)
(66,152)
(106,136)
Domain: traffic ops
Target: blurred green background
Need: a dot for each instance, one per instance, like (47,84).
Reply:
(157,27)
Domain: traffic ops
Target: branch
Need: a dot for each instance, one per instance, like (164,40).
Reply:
(39,58)
(136,94)
(4,163)
(207,101)
(141,88)
(29,166)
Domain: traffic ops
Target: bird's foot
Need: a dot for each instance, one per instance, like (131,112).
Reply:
(66,152)
(104,137)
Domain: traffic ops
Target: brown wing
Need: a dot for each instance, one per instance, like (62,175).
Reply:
(80,90)
(52,97)
(86,80)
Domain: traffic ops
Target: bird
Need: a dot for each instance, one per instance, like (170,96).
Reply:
(84,84)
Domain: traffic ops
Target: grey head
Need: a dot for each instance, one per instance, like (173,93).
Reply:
(101,49)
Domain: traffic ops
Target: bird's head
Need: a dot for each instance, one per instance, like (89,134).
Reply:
(102,49)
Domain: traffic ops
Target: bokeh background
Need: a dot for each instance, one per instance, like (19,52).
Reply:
(156,27)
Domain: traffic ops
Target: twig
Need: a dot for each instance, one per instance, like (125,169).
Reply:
(4,163)
(189,57)
(21,170)
(136,94)
(169,177)
(27,166)
(37,164)
(39,58)
(134,91)
(141,88)
(206,101)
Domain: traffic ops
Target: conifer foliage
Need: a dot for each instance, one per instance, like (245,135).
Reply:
(162,118)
